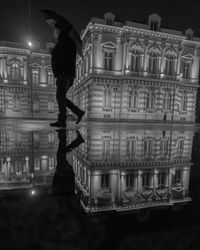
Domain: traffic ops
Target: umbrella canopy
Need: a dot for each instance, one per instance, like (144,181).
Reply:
(65,26)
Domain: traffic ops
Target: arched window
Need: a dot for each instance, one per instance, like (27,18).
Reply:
(167,98)
(136,56)
(135,61)
(184,101)
(107,98)
(35,75)
(50,77)
(153,53)
(186,69)
(150,100)
(170,57)
(133,99)
(15,72)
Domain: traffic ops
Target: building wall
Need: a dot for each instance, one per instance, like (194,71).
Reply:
(110,70)
(27,87)
(136,167)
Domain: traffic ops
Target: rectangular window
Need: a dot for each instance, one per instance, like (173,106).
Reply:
(50,77)
(129,180)
(177,177)
(108,60)
(161,179)
(50,106)
(35,76)
(164,148)
(131,148)
(146,179)
(105,180)
(148,148)
(180,148)
(107,98)
(16,102)
(152,65)
(106,148)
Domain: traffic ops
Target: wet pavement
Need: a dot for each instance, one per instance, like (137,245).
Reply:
(127,186)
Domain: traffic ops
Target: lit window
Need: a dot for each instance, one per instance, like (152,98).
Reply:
(131,148)
(35,75)
(37,164)
(133,99)
(186,68)
(51,163)
(167,100)
(106,148)
(170,65)
(148,148)
(180,148)
(164,147)
(50,77)
(153,59)
(107,98)
(51,137)
(16,102)
(150,100)
(108,60)
(135,61)
(15,72)
(51,103)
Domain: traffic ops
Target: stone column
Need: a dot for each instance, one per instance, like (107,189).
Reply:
(94,49)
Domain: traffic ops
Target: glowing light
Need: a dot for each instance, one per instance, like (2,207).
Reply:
(33,192)
(30,44)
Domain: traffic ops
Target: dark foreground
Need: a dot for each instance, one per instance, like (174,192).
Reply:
(48,220)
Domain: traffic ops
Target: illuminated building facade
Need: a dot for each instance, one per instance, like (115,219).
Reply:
(27,85)
(27,160)
(132,71)
(131,169)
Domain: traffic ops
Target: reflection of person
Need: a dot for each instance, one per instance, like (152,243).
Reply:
(63,63)
(165,117)
(63,180)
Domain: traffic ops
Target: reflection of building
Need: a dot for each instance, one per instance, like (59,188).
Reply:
(137,71)
(27,159)
(27,87)
(132,169)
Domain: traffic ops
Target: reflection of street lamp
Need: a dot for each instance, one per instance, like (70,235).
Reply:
(30,45)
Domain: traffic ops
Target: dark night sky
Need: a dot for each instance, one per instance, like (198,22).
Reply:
(14,15)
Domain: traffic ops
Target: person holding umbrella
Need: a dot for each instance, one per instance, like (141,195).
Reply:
(63,62)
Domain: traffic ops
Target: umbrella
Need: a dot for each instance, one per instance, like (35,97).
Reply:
(65,26)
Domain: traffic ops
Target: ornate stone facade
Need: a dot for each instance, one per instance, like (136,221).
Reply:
(27,85)
(132,71)
(129,168)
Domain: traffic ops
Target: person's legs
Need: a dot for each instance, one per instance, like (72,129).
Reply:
(61,89)
(70,105)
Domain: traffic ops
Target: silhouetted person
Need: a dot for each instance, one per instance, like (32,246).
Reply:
(63,62)
(165,117)
(64,179)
